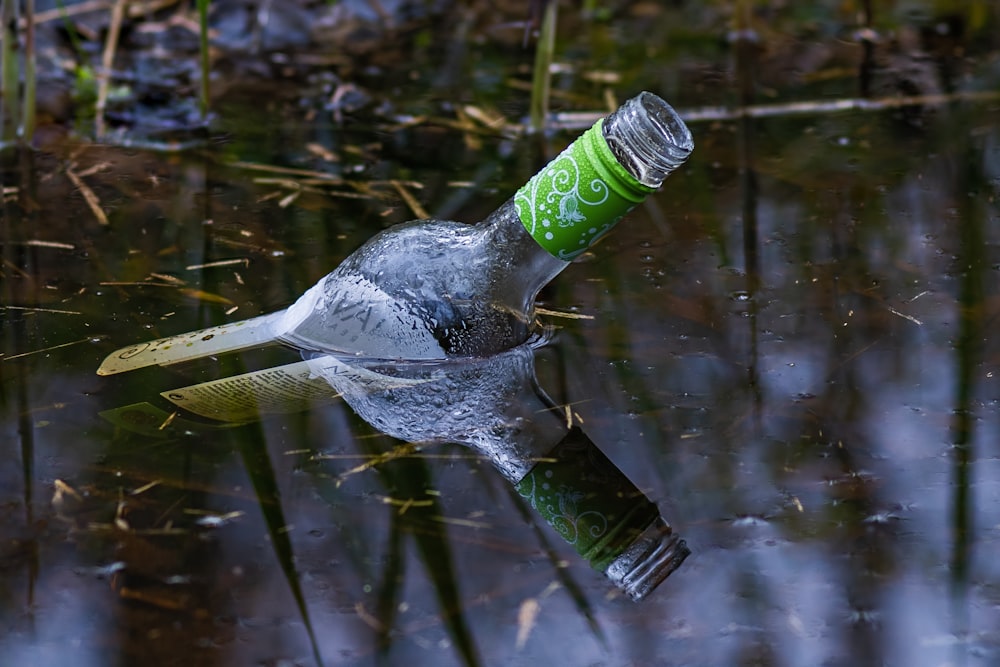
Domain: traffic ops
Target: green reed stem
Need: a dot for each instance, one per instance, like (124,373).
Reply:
(542,78)
(28,116)
(203,47)
(9,84)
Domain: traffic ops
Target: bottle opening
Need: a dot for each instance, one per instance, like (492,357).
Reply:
(648,138)
(648,561)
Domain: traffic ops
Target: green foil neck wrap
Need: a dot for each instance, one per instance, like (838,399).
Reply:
(578,196)
(588,500)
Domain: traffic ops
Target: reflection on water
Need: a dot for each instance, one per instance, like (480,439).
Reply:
(495,406)
(789,351)
(491,404)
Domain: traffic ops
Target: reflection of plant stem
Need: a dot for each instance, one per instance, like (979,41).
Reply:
(389,589)
(563,574)
(745,52)
(410,478)
(542,79)
(26,432)
(253,450)
(967,347)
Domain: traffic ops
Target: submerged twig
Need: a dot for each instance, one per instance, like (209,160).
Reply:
(582,120)
(88,195)
(53,347)
(405,503)
(402,451)
(43,310)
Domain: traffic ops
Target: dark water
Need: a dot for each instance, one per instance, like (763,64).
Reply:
(789,349)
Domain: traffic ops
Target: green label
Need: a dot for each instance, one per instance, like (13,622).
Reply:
(578,197)
(588,500)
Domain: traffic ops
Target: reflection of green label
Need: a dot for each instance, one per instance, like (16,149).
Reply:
(587,500)
(578,196)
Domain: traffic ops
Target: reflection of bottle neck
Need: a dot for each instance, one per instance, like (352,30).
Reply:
(494,405)
(606,519)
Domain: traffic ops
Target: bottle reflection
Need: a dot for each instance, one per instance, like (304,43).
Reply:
(492,404)
(495,405)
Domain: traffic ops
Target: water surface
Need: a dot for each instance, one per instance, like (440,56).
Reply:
(789,349)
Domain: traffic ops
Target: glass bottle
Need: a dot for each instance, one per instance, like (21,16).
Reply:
(495,406)
(433,289)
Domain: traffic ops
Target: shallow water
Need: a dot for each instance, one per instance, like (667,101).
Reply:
(789,349)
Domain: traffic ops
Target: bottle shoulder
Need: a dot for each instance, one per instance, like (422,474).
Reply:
(424,258)
(423,236)
(423,289)
(428,289)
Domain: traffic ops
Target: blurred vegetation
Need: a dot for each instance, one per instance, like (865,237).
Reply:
(154,62)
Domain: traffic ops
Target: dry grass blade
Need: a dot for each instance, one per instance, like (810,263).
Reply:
(38,243)
(563,314)
(415,206)
(526,617)
(289,171)
(135,9)
(401,451)
(222,262)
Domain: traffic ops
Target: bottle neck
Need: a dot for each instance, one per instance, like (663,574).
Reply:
(581,194)
(578,197)
(524,266)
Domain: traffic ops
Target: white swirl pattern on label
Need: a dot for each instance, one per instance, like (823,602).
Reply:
(561,509)
(553,198)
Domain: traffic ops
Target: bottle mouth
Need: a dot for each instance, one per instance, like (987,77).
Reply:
(648,137)
(678,141)
(651,559)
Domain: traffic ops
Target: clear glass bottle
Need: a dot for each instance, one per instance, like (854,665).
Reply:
(432,289)
(495,406)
